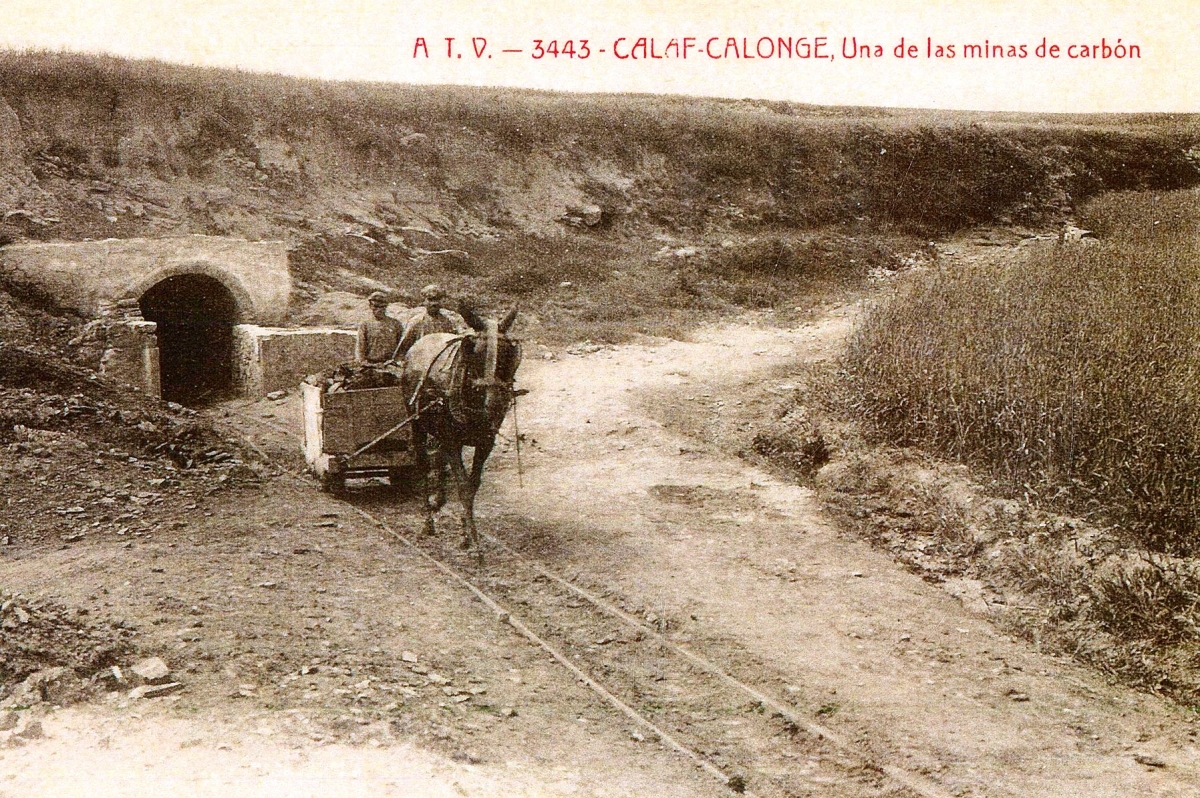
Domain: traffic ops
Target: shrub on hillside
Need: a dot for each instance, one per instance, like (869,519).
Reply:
(1153,600)
(814,257)
(1072,374)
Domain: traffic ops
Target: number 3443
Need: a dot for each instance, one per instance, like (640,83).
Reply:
(568,48)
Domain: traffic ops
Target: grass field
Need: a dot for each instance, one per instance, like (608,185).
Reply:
(1067,378)
(1072,374)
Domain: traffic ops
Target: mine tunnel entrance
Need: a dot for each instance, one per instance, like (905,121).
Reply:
(195,314)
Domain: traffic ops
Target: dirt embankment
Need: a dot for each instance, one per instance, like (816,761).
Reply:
(1112,583)
(602,213)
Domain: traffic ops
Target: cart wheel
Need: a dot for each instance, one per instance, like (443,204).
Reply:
(333,483)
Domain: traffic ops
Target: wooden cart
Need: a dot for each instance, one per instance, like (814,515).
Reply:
(346,435)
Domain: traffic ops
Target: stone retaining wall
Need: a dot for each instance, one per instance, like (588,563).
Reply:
(268,359)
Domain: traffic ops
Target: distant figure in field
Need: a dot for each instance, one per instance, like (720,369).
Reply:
(430,318)
(378,338)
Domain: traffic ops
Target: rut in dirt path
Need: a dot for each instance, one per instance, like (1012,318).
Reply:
(746,569)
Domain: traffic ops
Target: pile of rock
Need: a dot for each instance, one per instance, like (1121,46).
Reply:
(56,686)
(150,678)
(354,376)
(22,711)
(38,634)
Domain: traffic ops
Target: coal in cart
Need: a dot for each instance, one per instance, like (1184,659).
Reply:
(355,432)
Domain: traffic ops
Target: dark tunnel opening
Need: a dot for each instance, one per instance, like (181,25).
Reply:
(195,314)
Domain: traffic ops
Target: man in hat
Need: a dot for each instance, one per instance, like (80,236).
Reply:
(431,318)
(378,338)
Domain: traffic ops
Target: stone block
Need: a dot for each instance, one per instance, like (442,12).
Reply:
(155,690)
(131,355)
(269,359)
(151,670)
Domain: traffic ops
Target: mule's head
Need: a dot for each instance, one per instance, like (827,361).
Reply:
(493,359)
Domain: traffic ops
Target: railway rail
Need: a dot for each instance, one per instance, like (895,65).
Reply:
(727,725)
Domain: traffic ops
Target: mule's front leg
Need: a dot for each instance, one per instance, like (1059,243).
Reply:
(435,482)
(470,487)
(477,462)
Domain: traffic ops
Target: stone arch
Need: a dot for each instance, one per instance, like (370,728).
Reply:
(241,297)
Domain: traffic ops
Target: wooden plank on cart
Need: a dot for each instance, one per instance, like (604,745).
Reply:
(353,418)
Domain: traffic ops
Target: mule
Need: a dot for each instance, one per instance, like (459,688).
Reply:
(460,389)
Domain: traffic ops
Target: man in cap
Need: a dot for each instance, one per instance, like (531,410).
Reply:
(378,338)
(431,318)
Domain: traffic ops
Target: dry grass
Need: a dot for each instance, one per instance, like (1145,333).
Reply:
(685,163)
(1072,374)
(611,290)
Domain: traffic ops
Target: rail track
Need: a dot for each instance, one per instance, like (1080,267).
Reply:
(677,692)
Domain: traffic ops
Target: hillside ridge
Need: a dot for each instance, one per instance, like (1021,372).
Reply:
(386,181)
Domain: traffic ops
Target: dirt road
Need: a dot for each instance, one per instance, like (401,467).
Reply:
(327,658)
(750,571)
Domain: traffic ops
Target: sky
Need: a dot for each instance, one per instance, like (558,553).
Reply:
(728,49)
